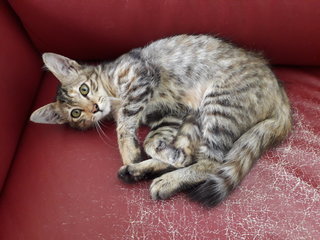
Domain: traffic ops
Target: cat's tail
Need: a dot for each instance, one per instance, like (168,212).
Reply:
(239,160)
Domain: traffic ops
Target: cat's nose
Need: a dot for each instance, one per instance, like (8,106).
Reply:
(95,108)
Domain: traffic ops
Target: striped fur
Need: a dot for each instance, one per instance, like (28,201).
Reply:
(213,109)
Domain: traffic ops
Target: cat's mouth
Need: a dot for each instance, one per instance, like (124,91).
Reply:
(102,110)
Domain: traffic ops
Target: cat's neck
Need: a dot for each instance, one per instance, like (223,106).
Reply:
(107,80)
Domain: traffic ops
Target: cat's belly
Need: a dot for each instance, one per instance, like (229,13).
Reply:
(177,100)
(192,97)
(171,94)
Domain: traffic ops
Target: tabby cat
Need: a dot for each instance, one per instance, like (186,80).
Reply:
(212,108)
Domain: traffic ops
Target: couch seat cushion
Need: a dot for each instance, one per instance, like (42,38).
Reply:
(63,185)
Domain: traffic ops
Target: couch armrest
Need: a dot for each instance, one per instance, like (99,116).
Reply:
(20,68)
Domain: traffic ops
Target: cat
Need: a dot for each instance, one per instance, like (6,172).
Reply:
(212,108)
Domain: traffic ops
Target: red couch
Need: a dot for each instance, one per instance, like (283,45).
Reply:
(59,183)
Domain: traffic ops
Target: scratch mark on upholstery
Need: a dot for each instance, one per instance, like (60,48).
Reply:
(279,199)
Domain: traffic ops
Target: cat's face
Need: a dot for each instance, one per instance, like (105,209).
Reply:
(81,99)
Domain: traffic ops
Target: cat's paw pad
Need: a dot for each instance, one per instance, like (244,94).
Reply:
(129,174)
(163,187)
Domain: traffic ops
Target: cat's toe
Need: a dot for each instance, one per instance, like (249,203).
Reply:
(162,188)
(125,175)
(129,174)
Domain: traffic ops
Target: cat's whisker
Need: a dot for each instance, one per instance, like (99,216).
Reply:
(102,132)
(104,137)
(105,125)
(102,124)
(100,135)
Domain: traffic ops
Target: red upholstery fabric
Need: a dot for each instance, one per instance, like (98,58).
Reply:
(287,31)
(20,74)
(63,185)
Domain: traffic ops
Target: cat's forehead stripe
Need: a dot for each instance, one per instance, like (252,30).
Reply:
(63,96)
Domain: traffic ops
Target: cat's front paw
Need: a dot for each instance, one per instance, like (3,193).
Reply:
(131,156)
(129,149)
(129,174)
(130,152)
(164,187)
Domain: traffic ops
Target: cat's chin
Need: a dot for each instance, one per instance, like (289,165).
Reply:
(83,127)
(86,124)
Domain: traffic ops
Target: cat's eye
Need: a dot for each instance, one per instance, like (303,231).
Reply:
(84,89)
(75,113)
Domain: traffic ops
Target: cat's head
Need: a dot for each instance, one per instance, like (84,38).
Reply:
(81,99)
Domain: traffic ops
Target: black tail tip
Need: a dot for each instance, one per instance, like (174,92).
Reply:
(208,193)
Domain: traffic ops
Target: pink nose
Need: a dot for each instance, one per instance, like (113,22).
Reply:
(95,108)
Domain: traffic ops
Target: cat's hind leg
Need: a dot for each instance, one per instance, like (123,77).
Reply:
(182,179)
(185,145)
(163,132)
(171,144)
(144,170)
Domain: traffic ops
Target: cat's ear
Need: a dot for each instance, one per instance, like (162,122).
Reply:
(65,69)
(48,114)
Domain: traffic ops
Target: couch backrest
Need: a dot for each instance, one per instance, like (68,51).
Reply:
(287,31)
